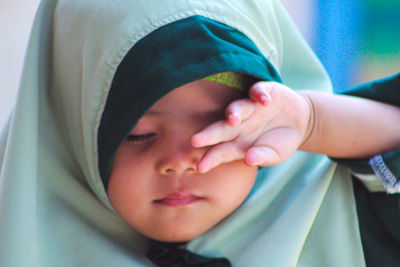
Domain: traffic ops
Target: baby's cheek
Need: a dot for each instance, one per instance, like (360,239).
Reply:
(237,180)
(129,198)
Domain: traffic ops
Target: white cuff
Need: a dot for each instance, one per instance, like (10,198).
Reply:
(384,175)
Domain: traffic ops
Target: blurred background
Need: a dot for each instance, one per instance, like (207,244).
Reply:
(357,41)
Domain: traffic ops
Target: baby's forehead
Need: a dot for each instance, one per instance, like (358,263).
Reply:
(198,96)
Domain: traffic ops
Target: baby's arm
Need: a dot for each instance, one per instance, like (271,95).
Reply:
(277,121)
(352,127)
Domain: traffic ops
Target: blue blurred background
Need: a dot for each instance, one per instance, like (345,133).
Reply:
(357,41)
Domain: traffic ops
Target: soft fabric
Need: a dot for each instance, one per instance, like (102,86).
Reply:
(381,173)
(378,210)
(53,205)
(232,79)
(379,217)
(171,254)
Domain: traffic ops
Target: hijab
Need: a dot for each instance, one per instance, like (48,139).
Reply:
(56,150)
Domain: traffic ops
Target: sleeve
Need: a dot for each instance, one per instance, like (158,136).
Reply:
(379,219)
(382,172)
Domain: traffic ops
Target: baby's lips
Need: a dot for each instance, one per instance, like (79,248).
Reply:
(178,199)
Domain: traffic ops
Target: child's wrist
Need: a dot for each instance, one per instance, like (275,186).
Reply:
(311,119)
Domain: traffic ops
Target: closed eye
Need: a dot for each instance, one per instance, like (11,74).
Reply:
(140,138)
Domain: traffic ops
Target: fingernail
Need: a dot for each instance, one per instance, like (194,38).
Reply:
(234,118)
(235,114)
(264,99)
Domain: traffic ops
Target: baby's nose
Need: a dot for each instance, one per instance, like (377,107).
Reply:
(180,159)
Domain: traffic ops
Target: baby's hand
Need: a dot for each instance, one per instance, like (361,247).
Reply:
(263,130)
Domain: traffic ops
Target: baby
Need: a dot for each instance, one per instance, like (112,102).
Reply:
(120,139)
(192,159)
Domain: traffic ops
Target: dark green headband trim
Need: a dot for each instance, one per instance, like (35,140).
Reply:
(171,56)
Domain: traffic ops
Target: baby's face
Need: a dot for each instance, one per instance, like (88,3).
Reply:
(154,184)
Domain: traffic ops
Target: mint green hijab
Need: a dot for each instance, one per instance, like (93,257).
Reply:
(54,210)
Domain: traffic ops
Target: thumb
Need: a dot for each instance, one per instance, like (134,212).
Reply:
(272,148)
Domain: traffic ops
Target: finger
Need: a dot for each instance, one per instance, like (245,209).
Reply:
(219,154)
(234,119)
(239,110)
(215,133)
(261,156)
(273,147)
(260,92)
